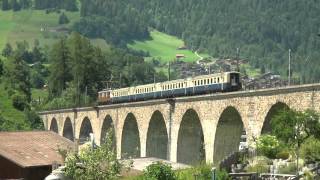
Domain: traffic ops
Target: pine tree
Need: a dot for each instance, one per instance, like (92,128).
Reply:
(1,67)
(70,5)
(63,19)
(5,5)
(18,76)
(25,4)
(15,5)
(37,55)
(60,69)
(7,50)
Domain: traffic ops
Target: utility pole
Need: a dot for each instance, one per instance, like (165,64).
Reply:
(120,82)
(289,68)
(85,97)
(78,93)
(169,72)
(238,53)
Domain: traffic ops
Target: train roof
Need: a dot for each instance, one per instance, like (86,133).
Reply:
(172,81)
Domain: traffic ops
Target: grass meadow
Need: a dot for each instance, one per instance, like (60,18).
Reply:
(164,47)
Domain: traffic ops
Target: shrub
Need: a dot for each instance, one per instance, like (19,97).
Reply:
(19,101)
(290,169)
(222,174)
(203,172)
(259,168)
(94,163)
(159,171)
(268,146)
(283,154)
(310,150)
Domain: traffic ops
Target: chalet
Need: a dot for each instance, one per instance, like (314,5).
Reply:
(30,155)
(179,56)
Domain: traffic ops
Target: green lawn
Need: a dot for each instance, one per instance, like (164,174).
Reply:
(6,25)
(35,24)
(39,93)
(164,47)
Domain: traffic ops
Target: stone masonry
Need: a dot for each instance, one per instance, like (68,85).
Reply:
(247,110)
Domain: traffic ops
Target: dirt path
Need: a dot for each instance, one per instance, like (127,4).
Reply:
(200,57)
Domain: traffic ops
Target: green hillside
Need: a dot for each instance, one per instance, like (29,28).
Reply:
(164,47)
(14,118)
(35,24)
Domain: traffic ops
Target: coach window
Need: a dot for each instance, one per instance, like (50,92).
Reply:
(218,80)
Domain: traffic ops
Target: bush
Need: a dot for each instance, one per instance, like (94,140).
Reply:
(34,120)
(19,101)
(261,166)
(290,169)
(283,154)
(159,171)
(94,163)
(37,80)
(268,146)
(203,172)
(310,150)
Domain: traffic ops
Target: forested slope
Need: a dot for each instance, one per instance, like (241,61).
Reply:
(263,30)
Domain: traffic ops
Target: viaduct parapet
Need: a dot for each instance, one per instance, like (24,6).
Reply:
(186,129)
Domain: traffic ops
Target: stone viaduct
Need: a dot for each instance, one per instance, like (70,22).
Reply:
(186,129)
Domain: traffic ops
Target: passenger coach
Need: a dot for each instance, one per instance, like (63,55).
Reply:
(205,84)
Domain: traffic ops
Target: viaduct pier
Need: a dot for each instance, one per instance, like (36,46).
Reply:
(185,129)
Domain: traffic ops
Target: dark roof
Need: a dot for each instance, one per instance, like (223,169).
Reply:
(34,148)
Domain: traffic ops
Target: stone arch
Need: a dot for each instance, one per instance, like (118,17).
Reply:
(54,125)
(157,137)
(108,127)
(273,111)
(130,140)
(190,148)
(85,130)
(228,133)
(68,129)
